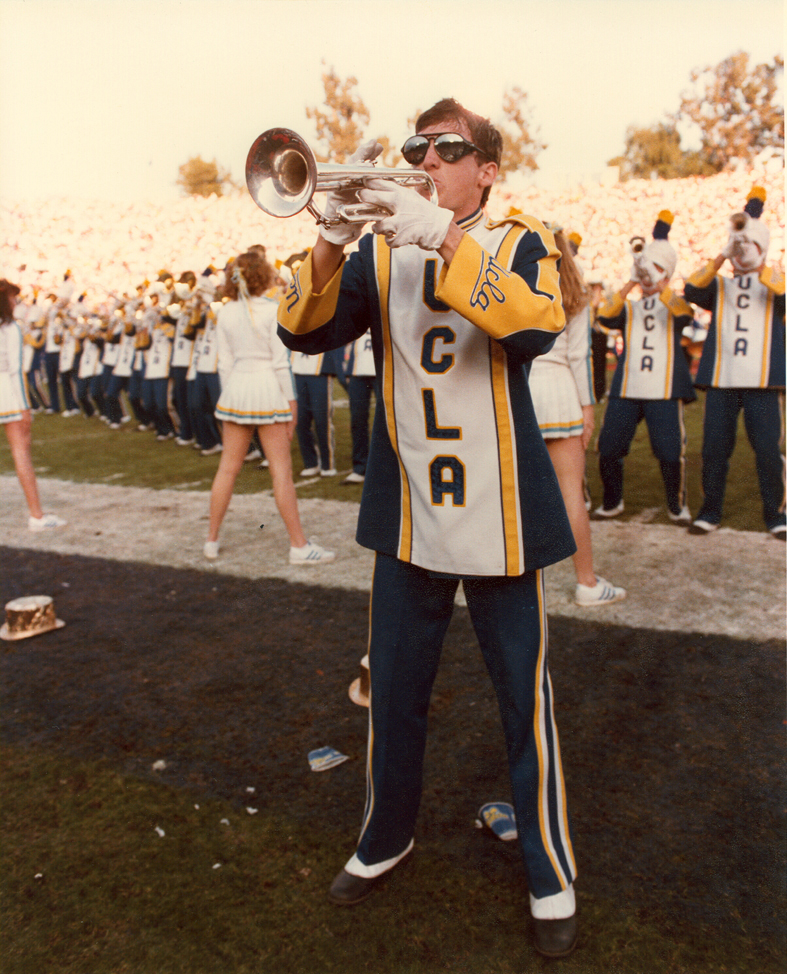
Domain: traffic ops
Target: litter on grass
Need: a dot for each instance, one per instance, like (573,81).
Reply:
(325,757)
(499,818)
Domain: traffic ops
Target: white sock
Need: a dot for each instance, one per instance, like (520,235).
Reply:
(556,907)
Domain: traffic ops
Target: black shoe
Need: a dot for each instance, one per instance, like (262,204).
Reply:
(555,938)
(347,890)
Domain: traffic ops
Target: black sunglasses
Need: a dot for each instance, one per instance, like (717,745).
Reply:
(450,146)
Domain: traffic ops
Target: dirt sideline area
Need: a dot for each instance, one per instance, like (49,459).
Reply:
(731,583)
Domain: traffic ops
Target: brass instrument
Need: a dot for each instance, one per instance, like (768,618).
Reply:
(738,222)
(637,245)
(282,176)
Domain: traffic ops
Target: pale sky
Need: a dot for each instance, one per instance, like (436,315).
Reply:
(106,99)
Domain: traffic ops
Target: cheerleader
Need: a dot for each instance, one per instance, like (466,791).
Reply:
(257,393)
(561,384)
(15,409)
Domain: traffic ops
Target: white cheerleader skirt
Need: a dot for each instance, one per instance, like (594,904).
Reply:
(253,398)
(555,400)
(13,398)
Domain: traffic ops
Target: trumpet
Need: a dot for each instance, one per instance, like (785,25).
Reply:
(637,245)
(282,176)
(738,222)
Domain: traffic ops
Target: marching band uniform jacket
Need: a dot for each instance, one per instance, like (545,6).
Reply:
(652,364)
(745,347)
(459,480)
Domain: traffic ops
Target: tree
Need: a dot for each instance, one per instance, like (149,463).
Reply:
(340,122)
(735,109)
(520,147)
(655,153)
(199,178)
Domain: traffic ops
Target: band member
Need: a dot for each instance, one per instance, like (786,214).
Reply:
(742,366)
(360,379)
(459,483)
(652,379)
(182,350)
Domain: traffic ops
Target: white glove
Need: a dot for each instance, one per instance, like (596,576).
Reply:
(644,273)
(347,233)
(414,220)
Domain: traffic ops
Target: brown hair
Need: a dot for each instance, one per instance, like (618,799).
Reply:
(257,273)
(482,132)
(7,291)
(572,287)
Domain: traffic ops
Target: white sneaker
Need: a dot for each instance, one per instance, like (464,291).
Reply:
(217,448)
(354,478)
(211,550)
(684,517)
(252,455)
(780,532)
(165,436)
(602,593)
(310,471)
(311,554)
(328,473)
(45,522)
(608,512)
(181,442)
(264,465)
(114,426)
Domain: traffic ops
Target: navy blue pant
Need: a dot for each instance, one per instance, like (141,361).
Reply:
(204,398)
(359,391)
(664,419)
(83,396)
(106,378)
(180,401)
(410,612)
(154,399)
(96,386)
(67,385)
(764,423)
(116,385)
(37,401)
(315,409)
(51,366)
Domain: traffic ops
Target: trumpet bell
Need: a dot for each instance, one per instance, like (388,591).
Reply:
(281,172)
(738,222)
(637,245)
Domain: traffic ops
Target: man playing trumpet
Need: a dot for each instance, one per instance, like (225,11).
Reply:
(458,484)
(742,366)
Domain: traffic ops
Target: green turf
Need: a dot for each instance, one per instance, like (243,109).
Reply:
(90,887)
(86,451)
